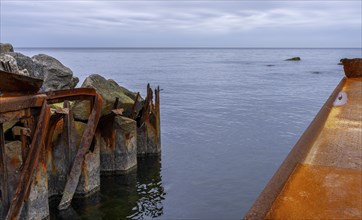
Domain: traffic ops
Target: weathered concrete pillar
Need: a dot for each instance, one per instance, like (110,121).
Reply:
(60,158)
(118,145)
(89,181)
(36,207)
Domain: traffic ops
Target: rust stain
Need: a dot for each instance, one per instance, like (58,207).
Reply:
(339,142)
(319,192)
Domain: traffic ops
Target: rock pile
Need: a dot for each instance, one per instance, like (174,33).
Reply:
(56,76)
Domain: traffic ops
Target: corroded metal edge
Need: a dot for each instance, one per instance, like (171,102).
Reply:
(12,83)
(298,153)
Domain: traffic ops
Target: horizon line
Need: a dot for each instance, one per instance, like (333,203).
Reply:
(41,47)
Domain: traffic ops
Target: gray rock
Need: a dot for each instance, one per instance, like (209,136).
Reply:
(35,70)
(8,63)
(56,75)
(109,90)
(6,47)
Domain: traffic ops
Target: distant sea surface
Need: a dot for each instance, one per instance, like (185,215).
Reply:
(229,117)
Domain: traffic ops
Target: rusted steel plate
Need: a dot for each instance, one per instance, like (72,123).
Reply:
(12,83)
(266,198)
(327,158)
(85,144)
(31,162)
(320,192)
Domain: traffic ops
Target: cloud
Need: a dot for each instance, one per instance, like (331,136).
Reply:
(184,17)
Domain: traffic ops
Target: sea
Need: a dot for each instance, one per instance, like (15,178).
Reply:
(229,117)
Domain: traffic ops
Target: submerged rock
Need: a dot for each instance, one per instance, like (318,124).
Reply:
(56,75)
(6,47)
(109,90)
(293,59)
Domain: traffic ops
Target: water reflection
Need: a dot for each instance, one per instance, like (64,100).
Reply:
(149,189)
(135,195)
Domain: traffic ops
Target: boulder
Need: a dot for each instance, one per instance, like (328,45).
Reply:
(293,59)
(8,63)
(35,70)
(56,75)
(6,47)
(109,90)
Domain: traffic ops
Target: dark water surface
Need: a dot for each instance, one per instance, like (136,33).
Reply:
(229,117)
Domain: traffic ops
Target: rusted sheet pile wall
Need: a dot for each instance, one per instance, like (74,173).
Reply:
(149,133)
(321,177)
(58,143)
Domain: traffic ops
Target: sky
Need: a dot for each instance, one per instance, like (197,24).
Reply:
(182,23)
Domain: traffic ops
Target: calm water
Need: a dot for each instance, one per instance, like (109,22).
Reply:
(229,118)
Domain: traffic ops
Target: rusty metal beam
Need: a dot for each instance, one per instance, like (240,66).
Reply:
(70,95)
(30,165)
(15,84)
(85,144)
(10,104)
(67,127)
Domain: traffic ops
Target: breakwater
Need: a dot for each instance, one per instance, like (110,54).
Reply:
(56,140)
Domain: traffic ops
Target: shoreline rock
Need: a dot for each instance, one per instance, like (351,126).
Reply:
(56,75)
(109,90)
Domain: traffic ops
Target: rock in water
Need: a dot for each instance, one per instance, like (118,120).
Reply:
(5,48)
(294,59)
(109,90)
(56,75)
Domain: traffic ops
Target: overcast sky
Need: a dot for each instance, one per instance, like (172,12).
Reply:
(185,23)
